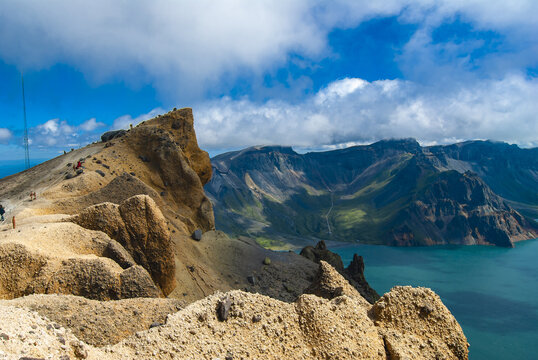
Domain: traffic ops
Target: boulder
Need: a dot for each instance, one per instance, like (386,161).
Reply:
(197,235)
(320,252)
(109,135)
(139,226)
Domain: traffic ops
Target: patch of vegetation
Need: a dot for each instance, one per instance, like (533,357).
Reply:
(349,218)
(273,244)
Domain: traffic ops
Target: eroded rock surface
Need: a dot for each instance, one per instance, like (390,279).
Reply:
(310,328)
(415,322)
(99,323)
(329,284)
(139,226)
(64,258)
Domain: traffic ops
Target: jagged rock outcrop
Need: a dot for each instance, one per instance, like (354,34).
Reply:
(63,258)
(310,328)
(355,271)
(320,252)
(168,144)
(139,226)
(353,274)
(329,284)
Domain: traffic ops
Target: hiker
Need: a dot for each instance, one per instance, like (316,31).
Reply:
(2,212)
(79,164)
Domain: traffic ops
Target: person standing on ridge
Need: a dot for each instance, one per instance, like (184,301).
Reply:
(2,212)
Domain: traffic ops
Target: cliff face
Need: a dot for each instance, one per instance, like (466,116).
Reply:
(391,192)
(461,209)
(511,172)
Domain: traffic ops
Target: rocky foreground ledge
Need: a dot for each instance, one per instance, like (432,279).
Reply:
(406,323)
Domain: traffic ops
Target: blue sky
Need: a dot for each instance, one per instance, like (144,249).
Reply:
(311,74)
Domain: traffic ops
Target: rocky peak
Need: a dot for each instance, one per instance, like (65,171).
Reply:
(179,124)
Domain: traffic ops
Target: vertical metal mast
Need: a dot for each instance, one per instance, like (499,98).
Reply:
(26,151)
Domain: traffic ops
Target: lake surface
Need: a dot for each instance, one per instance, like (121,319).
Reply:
(492,291)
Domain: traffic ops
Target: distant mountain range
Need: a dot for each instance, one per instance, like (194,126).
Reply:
(392,192)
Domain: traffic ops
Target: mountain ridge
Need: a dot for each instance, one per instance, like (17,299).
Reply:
(274,191)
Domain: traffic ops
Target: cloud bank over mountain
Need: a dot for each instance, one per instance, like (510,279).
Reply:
(354,110)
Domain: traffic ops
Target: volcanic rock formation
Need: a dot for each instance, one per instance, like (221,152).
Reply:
(354,273)
(63,258)
(139,226)
(405,323)
(392,192)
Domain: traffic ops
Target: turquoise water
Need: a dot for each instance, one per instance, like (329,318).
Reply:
(492,292)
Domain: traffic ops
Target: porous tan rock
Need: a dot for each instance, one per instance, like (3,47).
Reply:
(65,258)
(119,189)
(140,227)
(415,322)
(180,123)
(26,334)
(329,284)
(99,323)
(168,144)
(339,329)
(311,328)
(258,327)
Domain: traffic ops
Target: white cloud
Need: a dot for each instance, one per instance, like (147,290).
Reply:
(59,133)
(124,121)
(91,125)
(5,135)
(185,47)
(340,89)
(495,109)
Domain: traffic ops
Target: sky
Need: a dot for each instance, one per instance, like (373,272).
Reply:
(312,74)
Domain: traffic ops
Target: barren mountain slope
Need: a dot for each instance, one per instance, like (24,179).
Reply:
(159,158)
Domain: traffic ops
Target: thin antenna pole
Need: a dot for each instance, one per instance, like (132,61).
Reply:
(26,151)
